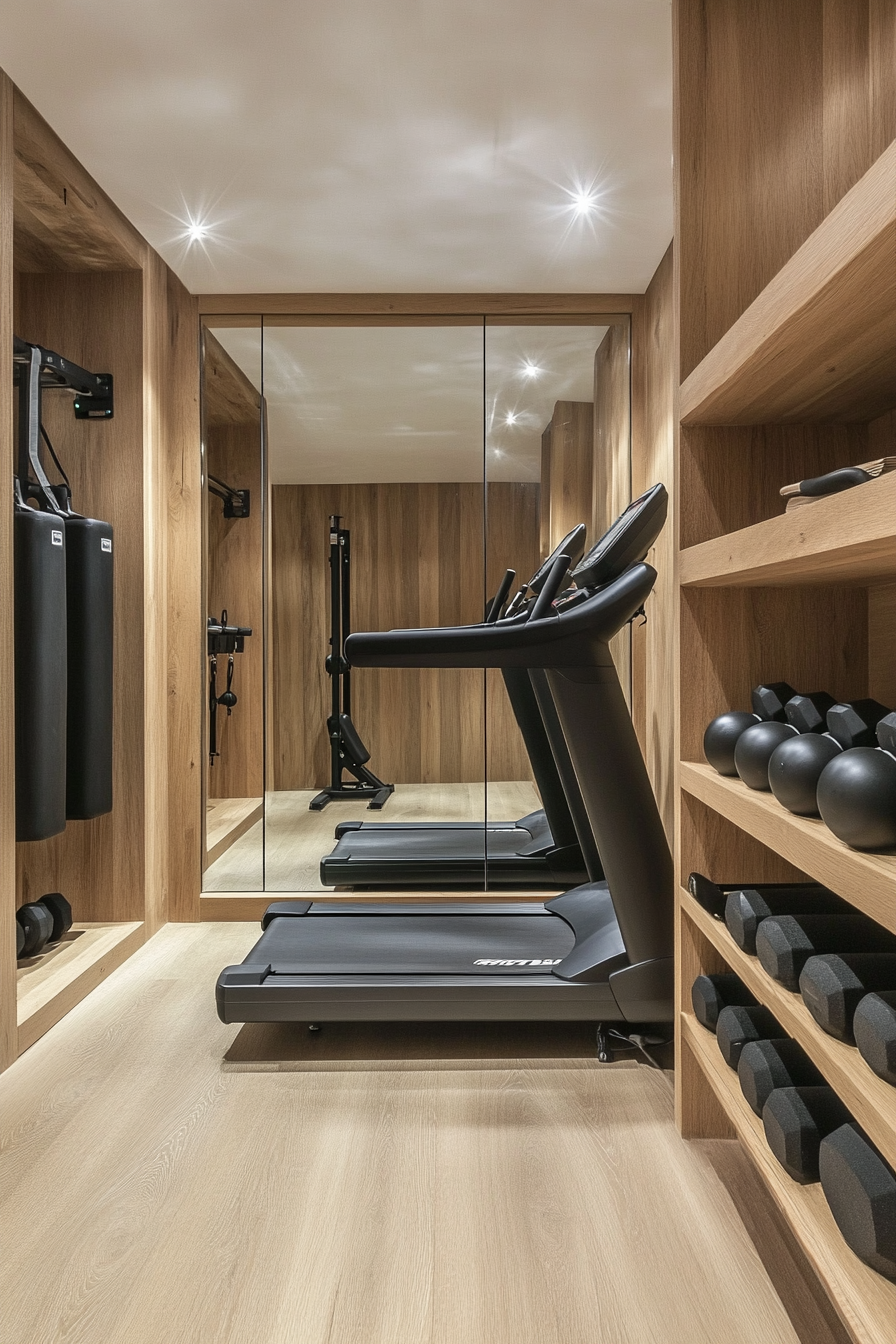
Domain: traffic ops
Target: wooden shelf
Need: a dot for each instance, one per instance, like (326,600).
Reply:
(865,1300)
(850,537)
(869,1098)
(868,881)
(819,342)
(49,986)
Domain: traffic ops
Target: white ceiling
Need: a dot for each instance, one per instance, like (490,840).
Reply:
(410,403)
(369,145)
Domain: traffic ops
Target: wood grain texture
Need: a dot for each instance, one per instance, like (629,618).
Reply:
(818,342)
(186,617)
(655,645)
(50,985)
(336,1206)
(611,484)
(760,161)
(866,1301)
(227,819)
(64,221)
(569,494)
(869,1098)
(229,398)
(411,305)
(8,901)
(96,319)
(882,643)
(845,538)
(420,726)
(868,881)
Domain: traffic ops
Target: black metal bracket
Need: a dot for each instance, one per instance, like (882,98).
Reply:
(224,638)
(94,398)
(236,502)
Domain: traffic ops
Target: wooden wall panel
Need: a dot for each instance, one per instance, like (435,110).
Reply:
(655,645)
(766,158)
(612,461)
(416,560)
(8,1034)
(570,475)
(96,319)
(186,617)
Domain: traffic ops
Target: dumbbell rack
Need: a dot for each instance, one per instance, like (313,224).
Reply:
(786,278)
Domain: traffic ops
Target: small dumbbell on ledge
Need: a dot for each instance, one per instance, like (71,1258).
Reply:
(42,923)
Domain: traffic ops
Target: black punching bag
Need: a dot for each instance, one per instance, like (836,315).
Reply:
(40,672)
(89,587)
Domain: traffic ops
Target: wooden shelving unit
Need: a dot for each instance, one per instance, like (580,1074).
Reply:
(76,277)
(786,240)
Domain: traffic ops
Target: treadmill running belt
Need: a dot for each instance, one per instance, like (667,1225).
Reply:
(416,945)
(435,846)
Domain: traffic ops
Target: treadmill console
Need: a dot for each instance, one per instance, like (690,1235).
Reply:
(626,542)
(573,545)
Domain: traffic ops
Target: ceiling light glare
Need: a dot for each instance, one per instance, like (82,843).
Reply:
(197,231)
(584,202)
(530,370)
(511,418)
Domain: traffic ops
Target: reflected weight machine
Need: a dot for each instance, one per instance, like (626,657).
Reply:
(347,752)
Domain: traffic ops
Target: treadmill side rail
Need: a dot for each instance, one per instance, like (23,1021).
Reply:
(645,992)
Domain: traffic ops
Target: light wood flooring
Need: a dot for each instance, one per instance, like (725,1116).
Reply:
(149,1196)
(226,820)
(283,852)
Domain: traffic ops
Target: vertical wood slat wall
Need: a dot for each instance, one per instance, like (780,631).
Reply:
(785,261)
(76,277)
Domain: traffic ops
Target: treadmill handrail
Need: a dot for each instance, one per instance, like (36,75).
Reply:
(562,639)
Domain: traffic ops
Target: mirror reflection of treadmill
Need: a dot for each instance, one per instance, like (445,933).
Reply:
(552,846)
(602,952)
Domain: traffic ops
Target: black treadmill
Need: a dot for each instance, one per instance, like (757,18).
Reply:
(552,846)
(601,952)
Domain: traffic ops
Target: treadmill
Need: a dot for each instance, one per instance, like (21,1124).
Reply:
(552,846)
(601,952)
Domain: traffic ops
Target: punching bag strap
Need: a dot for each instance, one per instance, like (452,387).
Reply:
(61,493)
(29,435)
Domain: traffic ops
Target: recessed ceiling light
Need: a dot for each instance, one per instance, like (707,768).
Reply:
(511,418)
(530,370)
(197,231)
(583,202)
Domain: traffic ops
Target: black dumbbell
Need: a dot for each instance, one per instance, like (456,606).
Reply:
(795,766)
(736,1026)
(765,1065)
(713,896)
(874,1027)
(60,912)
(722,733)
(711,993)
(857,792)
(860,1188)
(795,1120)
(784,943)
(803,714)
(834,984)
(746,907)
(36,923)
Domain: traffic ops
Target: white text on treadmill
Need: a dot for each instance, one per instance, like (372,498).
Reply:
(494,961)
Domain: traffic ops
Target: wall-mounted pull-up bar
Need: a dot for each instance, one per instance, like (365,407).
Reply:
(236,502)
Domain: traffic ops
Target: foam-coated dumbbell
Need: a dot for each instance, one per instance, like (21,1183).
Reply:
(766,1065)
(711,993)
(795,766)
(795,1120)
(713,896)
(736,1026)
(860,1188)
(857,792)
(874,1027)
(60,912)
(834,984)
(721,735)
(746,907)
(784,943)
(754,748)
(36,923)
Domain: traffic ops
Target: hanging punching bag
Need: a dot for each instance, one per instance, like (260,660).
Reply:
(89,728)
(40,673)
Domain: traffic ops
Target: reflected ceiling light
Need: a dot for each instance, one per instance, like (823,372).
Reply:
(583,202)
(511,418)
(530,370)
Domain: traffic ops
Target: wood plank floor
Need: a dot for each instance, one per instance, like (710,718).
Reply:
(284,852)
(147,1196)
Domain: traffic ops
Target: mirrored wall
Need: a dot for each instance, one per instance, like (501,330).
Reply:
(376,476)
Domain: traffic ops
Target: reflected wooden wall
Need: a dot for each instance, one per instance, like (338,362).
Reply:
(611,483)
(416,560)
(567,466)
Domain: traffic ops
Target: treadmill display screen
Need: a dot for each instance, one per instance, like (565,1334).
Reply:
(627,541)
